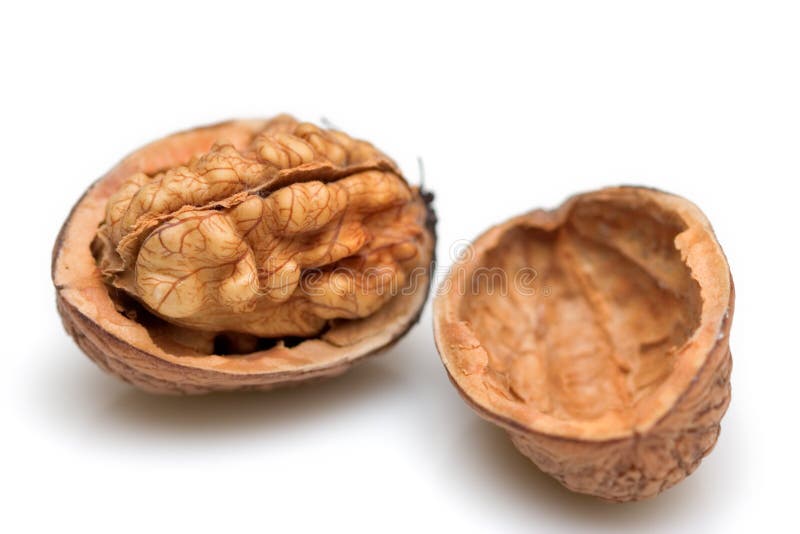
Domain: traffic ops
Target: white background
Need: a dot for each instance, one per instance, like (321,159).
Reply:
(511,109)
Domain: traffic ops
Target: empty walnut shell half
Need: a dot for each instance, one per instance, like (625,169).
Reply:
(244,255)
(597,336)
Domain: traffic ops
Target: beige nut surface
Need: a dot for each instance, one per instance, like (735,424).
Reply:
(188,266)
(607,360)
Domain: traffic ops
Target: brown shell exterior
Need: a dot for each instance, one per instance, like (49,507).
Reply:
(630,468)
(153,373)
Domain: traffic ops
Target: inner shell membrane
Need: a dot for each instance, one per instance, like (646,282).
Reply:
(587,320)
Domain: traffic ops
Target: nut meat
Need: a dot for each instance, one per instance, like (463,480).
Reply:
(245,254)
(607,361)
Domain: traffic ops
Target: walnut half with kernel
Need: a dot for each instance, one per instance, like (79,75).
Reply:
(246,254)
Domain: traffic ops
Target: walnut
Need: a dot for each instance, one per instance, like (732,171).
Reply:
(244,254)
(597,336)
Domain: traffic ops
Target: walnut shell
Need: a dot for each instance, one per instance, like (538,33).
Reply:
(596,334)
(244,255)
